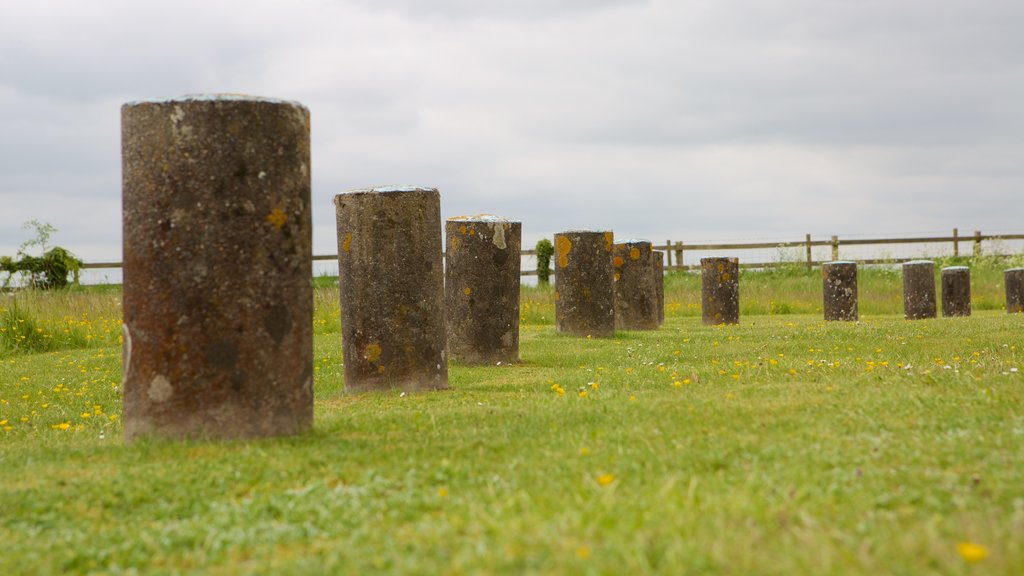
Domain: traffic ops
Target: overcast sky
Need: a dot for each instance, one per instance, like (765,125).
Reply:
(689,120)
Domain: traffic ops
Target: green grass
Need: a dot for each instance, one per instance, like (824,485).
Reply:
(784,445)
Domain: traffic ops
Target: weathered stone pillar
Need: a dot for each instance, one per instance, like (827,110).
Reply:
(1014,281)
(584,283)
(636,298)
(720,290)
(659,283)
(392,289)
(956,291)
(482,289)
(839,281)
(919,290)
(218,304)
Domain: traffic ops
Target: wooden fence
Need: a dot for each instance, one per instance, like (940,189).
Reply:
(675,252)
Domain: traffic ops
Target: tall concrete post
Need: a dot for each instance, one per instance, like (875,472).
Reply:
(839,287)
(919,290)
(659,282)
(956,291)
(482,255)
(1013,279)
(636,296)
(218,304)
(584,283)
(392,289)
(720,290)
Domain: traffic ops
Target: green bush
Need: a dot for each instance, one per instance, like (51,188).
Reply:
(544,252)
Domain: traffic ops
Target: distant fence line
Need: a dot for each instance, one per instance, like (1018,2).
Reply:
(675,252)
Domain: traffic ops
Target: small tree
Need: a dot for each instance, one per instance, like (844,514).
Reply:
(544,252)
(48,270)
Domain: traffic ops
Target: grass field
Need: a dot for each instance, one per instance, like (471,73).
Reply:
(784,445)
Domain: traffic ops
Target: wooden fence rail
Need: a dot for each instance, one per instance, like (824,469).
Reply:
(675,251)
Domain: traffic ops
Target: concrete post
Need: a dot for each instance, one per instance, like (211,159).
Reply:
(218,304)
(584,283)
(659,282)
(392,289)
(956,291)
(636,297)
(482,258)
(1013,279)
(919,289)
(720,290)
(839,281)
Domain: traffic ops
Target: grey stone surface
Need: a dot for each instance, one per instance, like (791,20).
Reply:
(218,339)
(919,290)
(636,296)
(584,283)
(482,266)
(839,289)
(720,290)
(392,289)
(956,291)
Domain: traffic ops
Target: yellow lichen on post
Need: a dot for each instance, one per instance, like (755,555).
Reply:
(609,241)
(563,246)
(347,243)
(372,352)
(277,218)
(634,253)
(618,261)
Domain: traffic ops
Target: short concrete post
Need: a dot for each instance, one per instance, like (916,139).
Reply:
(584,283)
(659,282)
(392,289)
(919,290)
(839,285)
(720,290)
(1013,279)
(482,261)
(956,291)
(218,304)
(636,297)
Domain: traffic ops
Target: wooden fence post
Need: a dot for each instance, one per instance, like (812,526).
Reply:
(956,243)
(809,261)
(977,242)
(668,253)
(835,248)
(679,254)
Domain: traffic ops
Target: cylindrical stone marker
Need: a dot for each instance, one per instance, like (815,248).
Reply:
(659,283)
(584,283)
(956,291)
(392,289)
(218,304)
(919,290)
(720,290)
(839,285)
(636,296)
(482,255)
(1014,281)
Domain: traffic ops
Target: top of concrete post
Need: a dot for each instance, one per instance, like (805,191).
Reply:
(1013,270)
(389,190)
(482,218)
(918,262)
(215,98)
(840,262)
(956,268)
